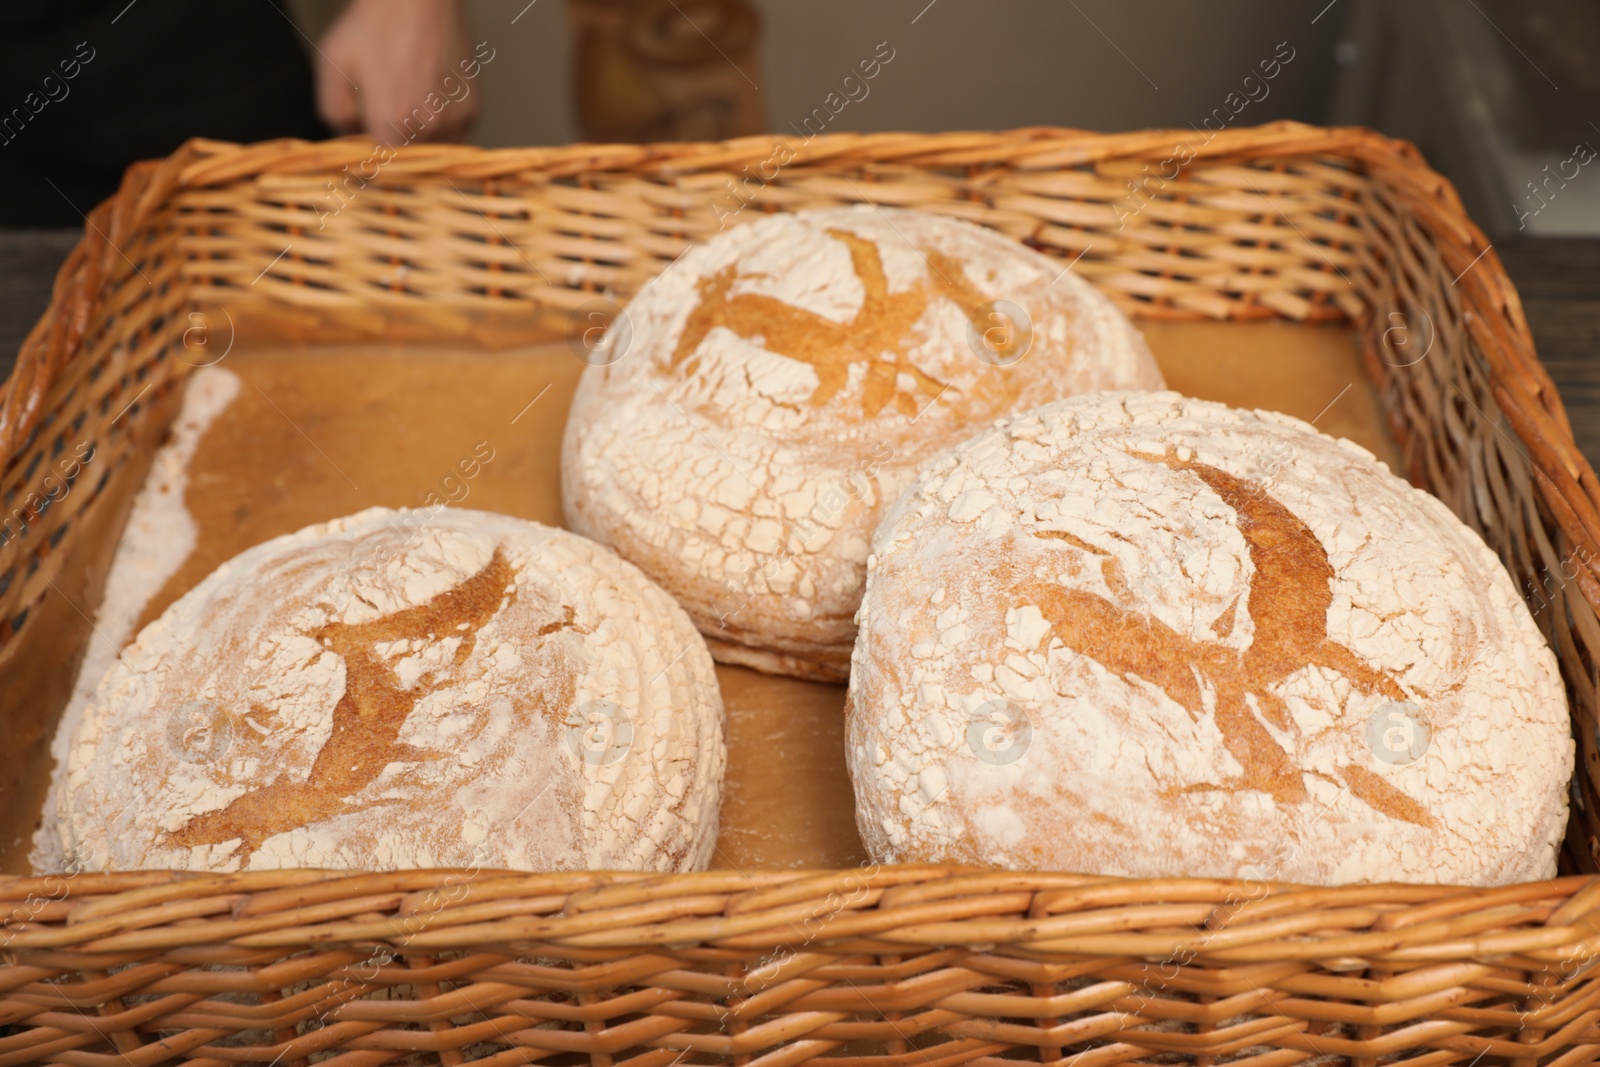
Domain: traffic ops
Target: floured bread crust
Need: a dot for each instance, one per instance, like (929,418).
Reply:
(782,382)
(1144,635)
(405,689)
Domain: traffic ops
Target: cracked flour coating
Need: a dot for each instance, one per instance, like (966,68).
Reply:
(401,690)
(1144,635)
(784,381)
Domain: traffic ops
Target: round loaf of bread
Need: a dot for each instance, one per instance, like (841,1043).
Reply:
(402,689)
(759,401)
(1143,635)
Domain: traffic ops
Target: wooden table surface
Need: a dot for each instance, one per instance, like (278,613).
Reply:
(1559,279)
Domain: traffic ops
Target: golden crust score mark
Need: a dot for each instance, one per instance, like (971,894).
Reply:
(877,336)
(367,719)
(1288,601)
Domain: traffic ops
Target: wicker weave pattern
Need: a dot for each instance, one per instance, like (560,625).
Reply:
(881,967)
(845,967)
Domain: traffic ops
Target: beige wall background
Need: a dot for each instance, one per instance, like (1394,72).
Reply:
(958,64)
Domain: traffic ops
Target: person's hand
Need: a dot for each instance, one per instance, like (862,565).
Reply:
(382,59)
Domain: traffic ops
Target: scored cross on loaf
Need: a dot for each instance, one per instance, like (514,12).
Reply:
(1145,635)
(771,391)
(401,689)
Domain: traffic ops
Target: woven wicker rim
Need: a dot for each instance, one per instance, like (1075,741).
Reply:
(886,966)
(1520,384)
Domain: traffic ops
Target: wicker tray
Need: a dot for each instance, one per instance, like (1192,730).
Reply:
(877,966)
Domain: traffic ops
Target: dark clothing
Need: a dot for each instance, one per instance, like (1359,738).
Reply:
(89,86)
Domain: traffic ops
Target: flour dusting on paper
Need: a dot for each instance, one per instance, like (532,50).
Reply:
(159,536)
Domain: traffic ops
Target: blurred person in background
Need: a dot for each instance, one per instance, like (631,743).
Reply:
(90,86)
